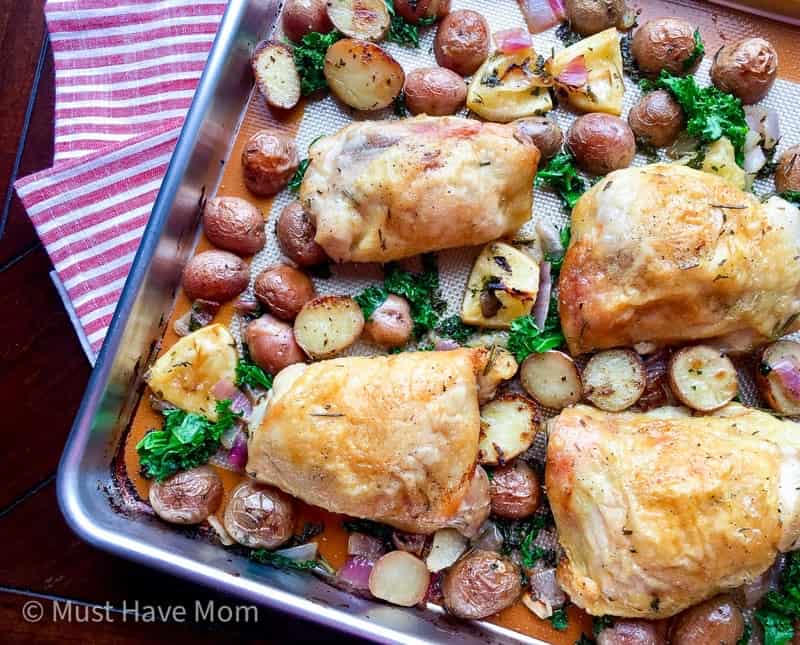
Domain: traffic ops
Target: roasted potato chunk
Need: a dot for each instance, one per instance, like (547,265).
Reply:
(276,75)
(502,287)
(362,75)
(588,74)
(508,427)
(186,373)
(328,325)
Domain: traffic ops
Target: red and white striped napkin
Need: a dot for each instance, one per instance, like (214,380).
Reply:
(126,71)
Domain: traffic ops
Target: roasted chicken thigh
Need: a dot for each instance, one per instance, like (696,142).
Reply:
(388,438)
(657,514)
(384,190)
(666,254)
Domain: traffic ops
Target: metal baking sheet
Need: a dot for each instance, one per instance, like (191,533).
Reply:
(224,113)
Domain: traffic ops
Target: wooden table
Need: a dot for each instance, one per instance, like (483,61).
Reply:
(43,373)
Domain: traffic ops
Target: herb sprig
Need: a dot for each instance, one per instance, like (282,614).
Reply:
(262,556)
(791,196)
(454,328)
(697,53)
(186,441)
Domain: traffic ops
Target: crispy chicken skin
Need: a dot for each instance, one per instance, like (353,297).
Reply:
(657,514)
(389,438)
(666,254)
(385,190)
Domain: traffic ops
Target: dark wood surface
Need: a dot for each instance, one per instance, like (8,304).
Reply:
(43,373)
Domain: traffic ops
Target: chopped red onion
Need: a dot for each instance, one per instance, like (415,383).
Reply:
(789,376)
(772,129)
(238,454)
(542,14)
(751,140)
(203,312)
(754,160)
(223,389)
(551,241)
(751,594)
(542,305)
(489,538)
(300,553)
(181,325)
(435,593)
(409,542)
(366,546)
(755,116)
(545,588)
(575,73)
(355,572)
(510,41)
(445,345)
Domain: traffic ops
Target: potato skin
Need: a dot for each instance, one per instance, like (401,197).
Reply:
(235,225)
(283,290)
(462,42)
(414,11)
(588,17)
(718,620)
(544,133)
(630,632)
(187,497)
(664,43)
(481,584)
(272,345)
(515,490)
(601,143)
(269,159)
(390,325)
(259,516)
(215,275)
(435,91)
(746,68)
(301,17)
(787,173)
(296,232)
(657,118)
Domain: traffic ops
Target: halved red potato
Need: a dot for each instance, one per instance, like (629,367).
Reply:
(276,75)
(399,578)
(362,75)
(328,325)
(508,427)
(552,379)
(703,378)
(778,376)
(614,379)
(366,19)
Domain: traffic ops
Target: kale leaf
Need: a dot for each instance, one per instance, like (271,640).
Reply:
(562,176)
(248,373)
(599,623)
(297,178)
(710,112)
(518,535)
(309,59)
(791,196)
(746,634)
(525,338)
(187,440)
(781,608)
(697,53)
(421,290)
(559,619)
(262,556)
(402,32)
(454,328)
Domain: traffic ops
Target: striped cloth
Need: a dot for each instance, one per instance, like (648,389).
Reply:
(126,71)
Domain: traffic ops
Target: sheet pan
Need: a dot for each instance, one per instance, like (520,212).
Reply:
(223,114)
